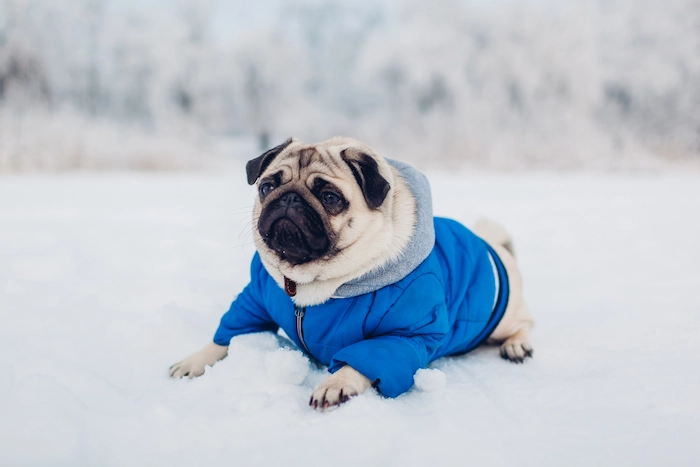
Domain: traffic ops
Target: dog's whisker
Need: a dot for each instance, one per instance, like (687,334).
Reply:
(245,234)
(242,245)
(340,252)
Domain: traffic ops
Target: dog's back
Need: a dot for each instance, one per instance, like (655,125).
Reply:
(494,233)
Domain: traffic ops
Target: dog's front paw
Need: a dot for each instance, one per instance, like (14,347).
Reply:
(194,365)
(339,387)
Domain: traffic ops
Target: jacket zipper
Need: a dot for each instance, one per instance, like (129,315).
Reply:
(299,313)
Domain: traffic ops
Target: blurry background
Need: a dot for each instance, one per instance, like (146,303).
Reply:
(500,84)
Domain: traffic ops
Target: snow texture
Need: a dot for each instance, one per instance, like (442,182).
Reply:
(107,280)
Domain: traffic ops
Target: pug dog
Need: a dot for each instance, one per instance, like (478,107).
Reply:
(355,269)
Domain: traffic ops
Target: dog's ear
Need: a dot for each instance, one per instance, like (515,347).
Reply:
(366,172)
(258,165)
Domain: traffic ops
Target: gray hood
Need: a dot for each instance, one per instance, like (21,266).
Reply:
(418,248)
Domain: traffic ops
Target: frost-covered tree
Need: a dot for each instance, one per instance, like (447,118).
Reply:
(271,80)
(650,57)
(23,77)
(504,84)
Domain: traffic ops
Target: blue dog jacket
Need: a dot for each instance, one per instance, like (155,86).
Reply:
(449,304)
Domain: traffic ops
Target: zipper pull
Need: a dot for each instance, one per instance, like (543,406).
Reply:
(299,313)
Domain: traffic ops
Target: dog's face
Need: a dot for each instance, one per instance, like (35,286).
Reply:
(322,210)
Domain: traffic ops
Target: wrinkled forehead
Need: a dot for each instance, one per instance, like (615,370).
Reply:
(305,163)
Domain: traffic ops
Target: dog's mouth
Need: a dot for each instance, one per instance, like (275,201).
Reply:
(296,235)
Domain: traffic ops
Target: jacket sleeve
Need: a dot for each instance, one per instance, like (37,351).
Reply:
(407,336)
(247,313)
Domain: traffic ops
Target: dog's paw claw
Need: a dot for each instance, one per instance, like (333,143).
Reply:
(185,370)
(326,398)
(176,370)
(338,388)
(196,364)
(516,351)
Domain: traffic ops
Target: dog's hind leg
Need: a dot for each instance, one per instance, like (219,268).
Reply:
(514,337)
(513,332)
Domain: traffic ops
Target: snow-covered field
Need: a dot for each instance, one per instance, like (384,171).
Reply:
(106,280)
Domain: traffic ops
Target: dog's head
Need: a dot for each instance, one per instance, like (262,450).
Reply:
(323,211)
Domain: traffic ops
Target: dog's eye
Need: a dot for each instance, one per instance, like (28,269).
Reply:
(330,198)
(266,188)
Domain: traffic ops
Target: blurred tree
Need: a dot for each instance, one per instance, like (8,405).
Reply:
(23,79)
(94,13)
(271,77)
(503,84)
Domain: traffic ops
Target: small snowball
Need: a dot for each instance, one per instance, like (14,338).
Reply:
(430,380)
(287,366)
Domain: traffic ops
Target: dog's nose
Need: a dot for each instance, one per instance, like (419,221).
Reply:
(290,199)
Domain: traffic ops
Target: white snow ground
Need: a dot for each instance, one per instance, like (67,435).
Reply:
(106,280)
